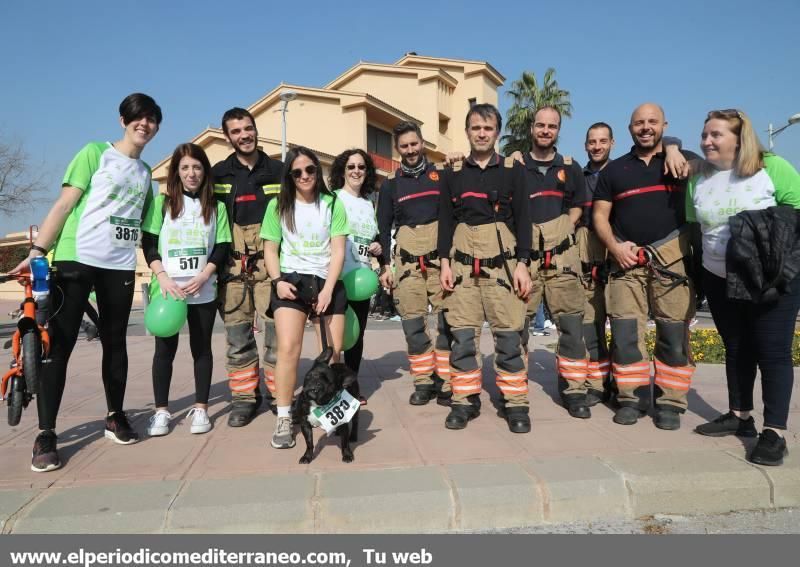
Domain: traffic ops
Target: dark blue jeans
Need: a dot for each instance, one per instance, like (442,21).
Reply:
(756,336)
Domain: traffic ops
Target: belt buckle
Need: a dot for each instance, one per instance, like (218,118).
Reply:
(641,257)
(547,258)
(422,267)
(476,268)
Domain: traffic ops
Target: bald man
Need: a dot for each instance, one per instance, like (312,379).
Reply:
(639,215)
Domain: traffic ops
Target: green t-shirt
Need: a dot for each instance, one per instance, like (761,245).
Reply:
(308,250)
(185,243)
(104,228)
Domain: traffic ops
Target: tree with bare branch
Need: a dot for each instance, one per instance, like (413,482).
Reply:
(21,183)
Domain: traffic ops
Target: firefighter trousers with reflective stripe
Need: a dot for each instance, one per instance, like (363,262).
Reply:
(630,296)
(560,287)
(479,299)
(238,309)
(414,291)
(592,253)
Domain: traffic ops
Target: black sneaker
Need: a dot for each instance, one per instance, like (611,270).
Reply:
(769,450)
(45,455)
(728,424)
(119,430)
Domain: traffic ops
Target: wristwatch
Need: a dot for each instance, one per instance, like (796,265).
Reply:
(526,261)
(44,251)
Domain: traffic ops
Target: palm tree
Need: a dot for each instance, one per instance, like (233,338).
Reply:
(529,96)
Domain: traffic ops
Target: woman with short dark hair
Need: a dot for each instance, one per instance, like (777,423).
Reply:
(93,229)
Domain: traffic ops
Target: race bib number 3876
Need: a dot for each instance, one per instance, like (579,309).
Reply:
(124,232)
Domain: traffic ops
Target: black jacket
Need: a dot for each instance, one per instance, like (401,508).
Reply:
(763,255)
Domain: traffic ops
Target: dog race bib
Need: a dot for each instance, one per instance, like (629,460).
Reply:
(341,409)
(124,232)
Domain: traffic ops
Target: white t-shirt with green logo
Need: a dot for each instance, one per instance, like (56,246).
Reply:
(104,228)
(185,243)
(712,200)
(308,250)
(363,228)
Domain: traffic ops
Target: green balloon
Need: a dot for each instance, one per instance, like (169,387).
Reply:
(360,284)
(165,316)
(351,329)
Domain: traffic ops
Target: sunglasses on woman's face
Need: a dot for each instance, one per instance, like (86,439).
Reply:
(727,113)
(360,166)
(309,169)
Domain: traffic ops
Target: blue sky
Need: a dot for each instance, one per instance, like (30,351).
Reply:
(67,65)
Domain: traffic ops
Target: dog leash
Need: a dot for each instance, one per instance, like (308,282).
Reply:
(323,332)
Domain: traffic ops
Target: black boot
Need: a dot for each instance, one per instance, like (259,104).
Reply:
(667,418)
(422,394)
(460,415)
(442,398)
(518,419)
(594,397)
(576,406)
(242,412)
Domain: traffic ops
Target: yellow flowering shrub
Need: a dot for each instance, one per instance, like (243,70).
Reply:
(706,345)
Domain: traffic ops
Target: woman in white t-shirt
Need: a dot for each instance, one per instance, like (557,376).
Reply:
(304,233)
(353,174)
(739,175)
(186,236)
(92,230)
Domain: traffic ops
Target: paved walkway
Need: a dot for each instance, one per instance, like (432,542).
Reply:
(410,474)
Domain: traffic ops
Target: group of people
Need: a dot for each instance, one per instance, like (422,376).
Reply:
(483,239)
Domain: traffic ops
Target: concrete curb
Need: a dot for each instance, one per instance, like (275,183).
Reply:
(428,499)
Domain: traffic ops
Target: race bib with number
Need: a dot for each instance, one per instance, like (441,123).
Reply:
(124,232)
(361,249)
(340,410)
(186,261)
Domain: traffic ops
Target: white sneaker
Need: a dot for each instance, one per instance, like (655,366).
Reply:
(200,421)
(159,424)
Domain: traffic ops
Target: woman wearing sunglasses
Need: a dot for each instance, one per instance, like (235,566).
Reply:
(738,175)
(304,232)
(353,173)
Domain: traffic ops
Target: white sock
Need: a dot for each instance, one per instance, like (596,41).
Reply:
(283,411)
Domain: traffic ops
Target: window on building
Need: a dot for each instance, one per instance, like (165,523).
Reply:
(379,142)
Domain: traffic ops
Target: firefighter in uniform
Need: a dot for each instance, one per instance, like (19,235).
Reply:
(409,200)
(483,250)
(246,181)
(639,214)
(554,187)
(592,253)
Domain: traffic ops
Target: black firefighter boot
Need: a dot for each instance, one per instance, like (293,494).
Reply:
(442,398)
(243,410)
(461,414)
(422,394)
(518,419)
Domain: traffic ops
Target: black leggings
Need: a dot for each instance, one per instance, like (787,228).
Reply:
(352,357)
(201,323)
(756,336)
(69,295)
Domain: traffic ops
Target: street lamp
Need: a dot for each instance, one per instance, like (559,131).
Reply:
(285,96)
(772,133)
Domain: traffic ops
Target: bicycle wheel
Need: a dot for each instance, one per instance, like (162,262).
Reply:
(16,399)
(31,359)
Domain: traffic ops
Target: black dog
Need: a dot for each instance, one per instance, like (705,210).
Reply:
(322,382)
